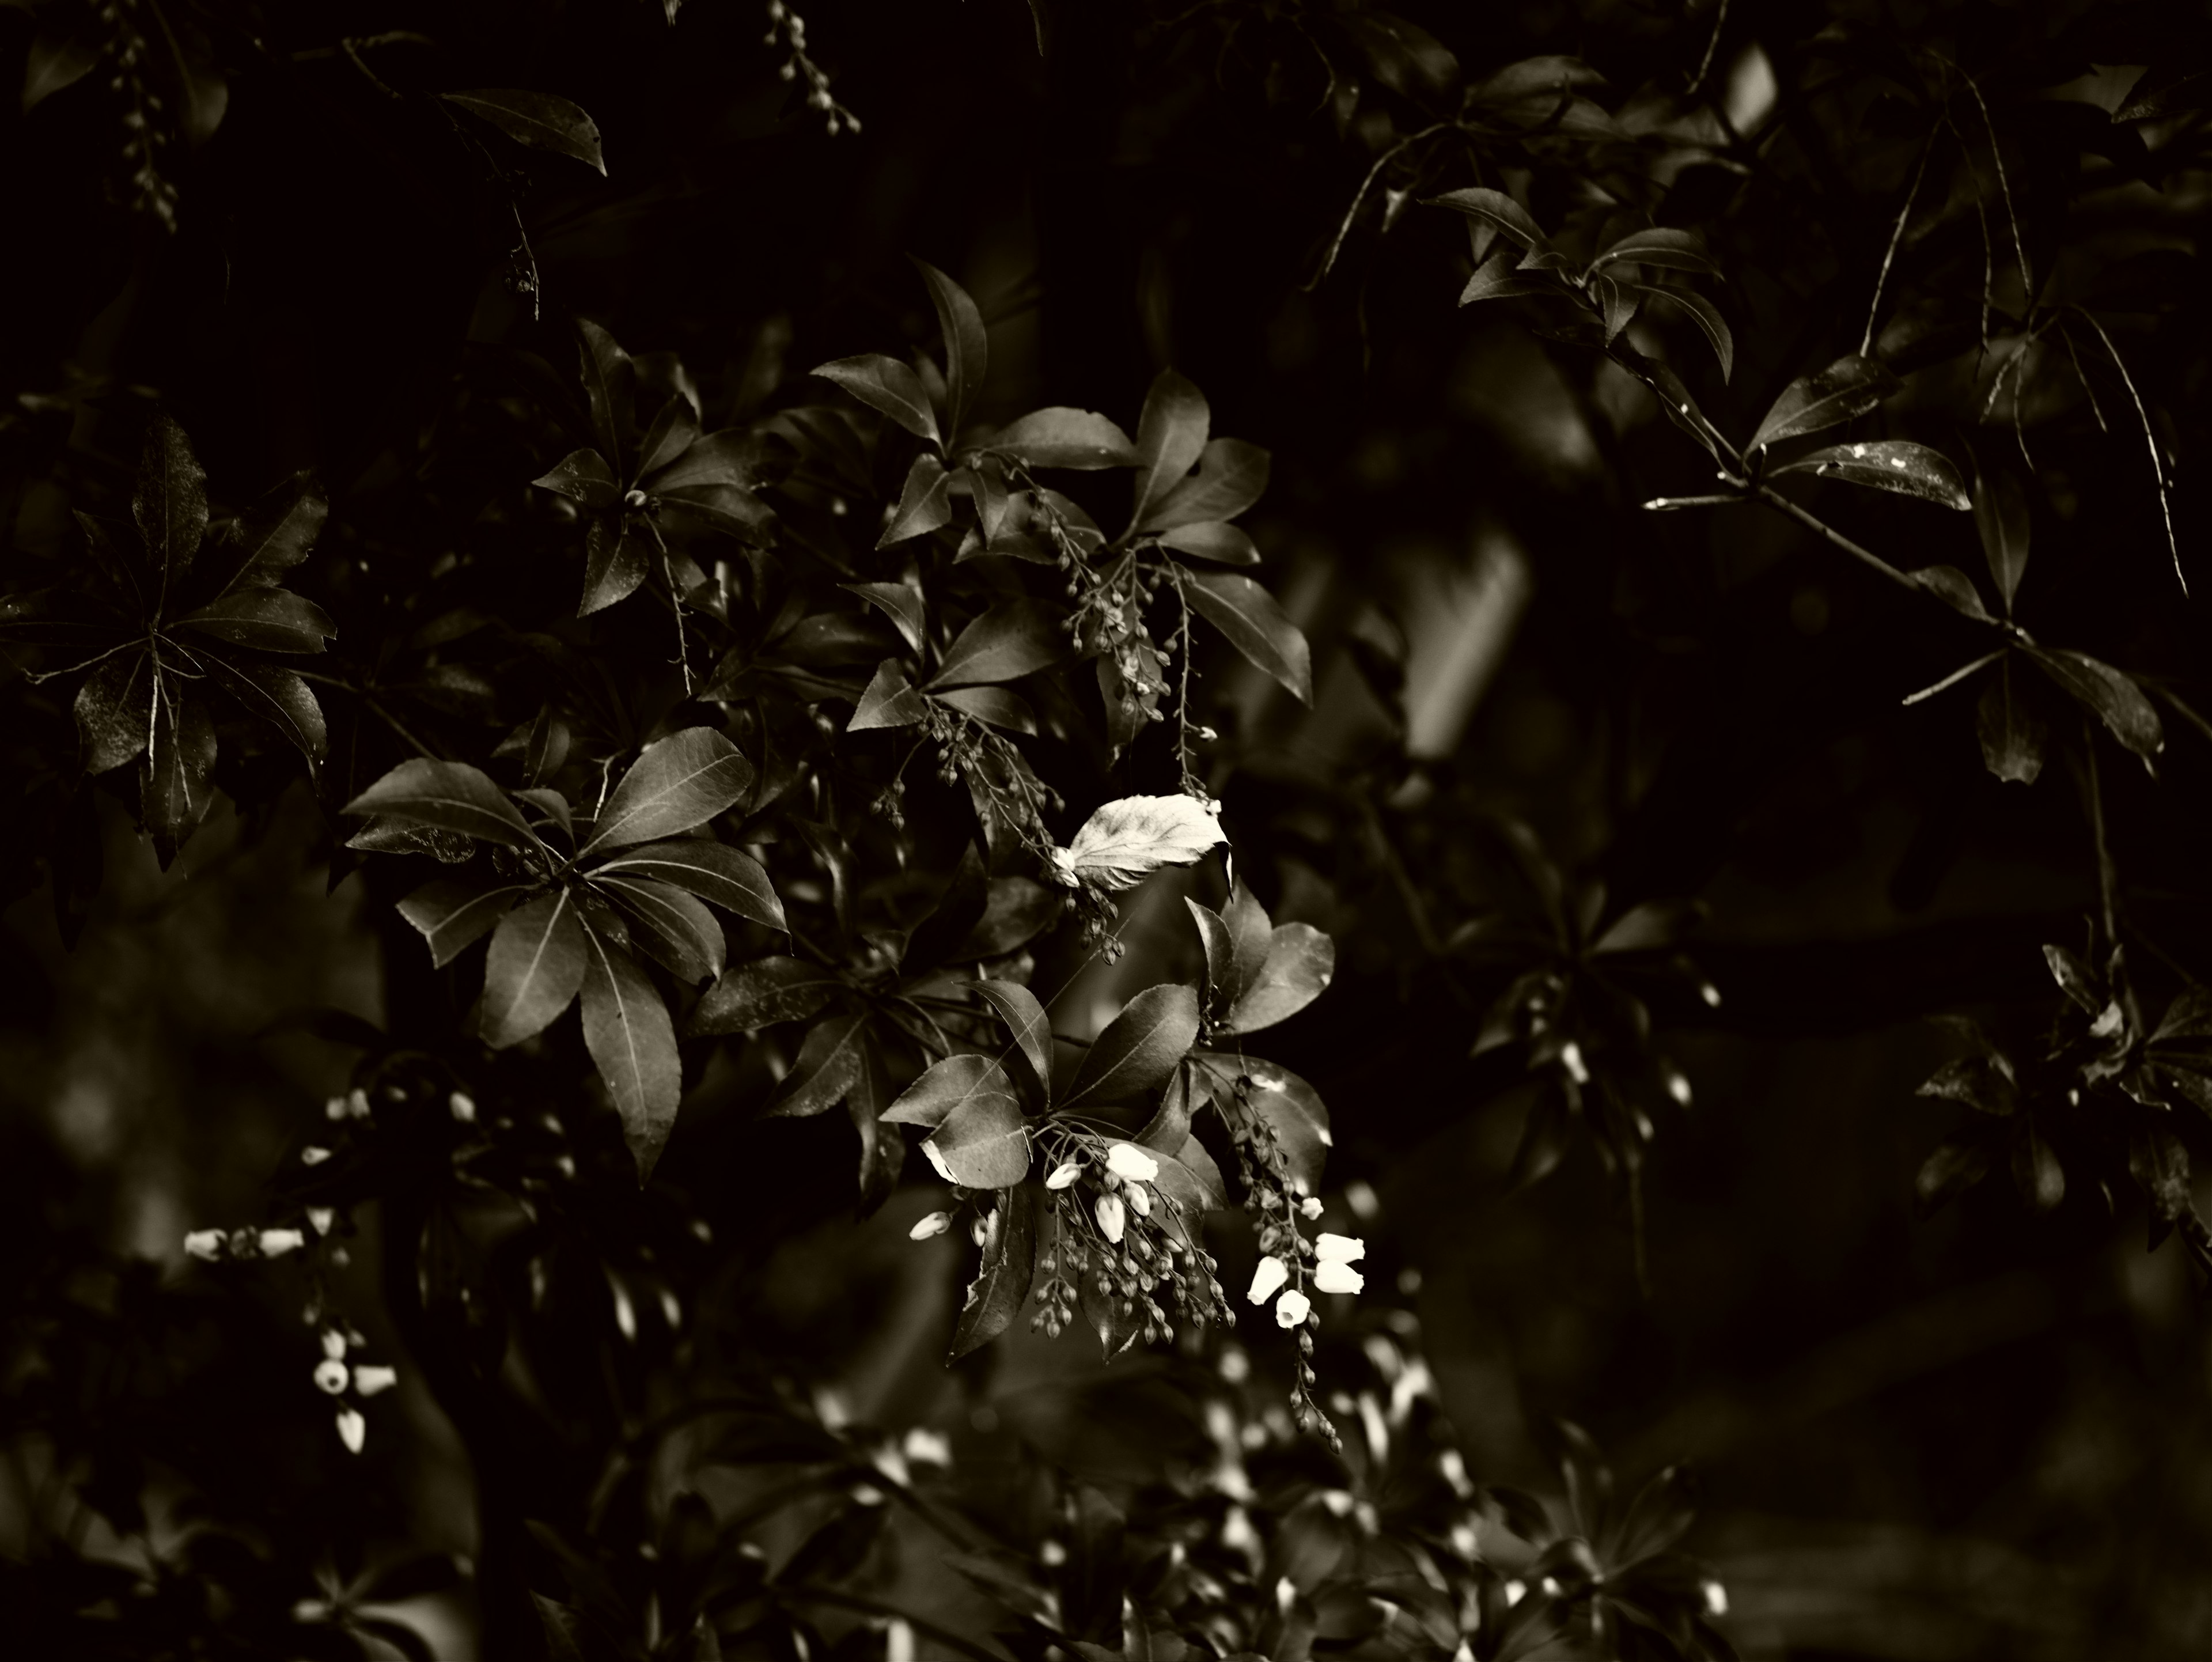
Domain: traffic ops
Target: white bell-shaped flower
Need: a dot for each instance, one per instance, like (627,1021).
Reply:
(1268,1279)
(1338,1249)
(1292,1308)
(935,1224)
(1331,1276)
(1112,1219)
(1125,1159)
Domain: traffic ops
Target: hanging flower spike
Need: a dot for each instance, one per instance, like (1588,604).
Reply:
(1125,1159)
(1268,1279)
(1129,839)
(1331,1276)
(1111,1218)
(935,1224)
(1338,1249)
(1292,1308)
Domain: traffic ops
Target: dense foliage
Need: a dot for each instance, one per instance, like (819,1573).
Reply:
(962,586)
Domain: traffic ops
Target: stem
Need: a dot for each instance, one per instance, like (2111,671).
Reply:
(1867,557)
(1360,198)
(1896,236)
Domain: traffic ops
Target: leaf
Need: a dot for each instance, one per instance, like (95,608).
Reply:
(52,63)
(270,538)
(2036,1172)
(1954,588)
(1980,1082)
(1496,211)
(1231,476)
(541,120)
(2001,517)
(2108,694)
(616,559)
(1662,246)
(583,476)
(1138,1049)
(1703,312)
(925,502)
(1300,962)
(562,1627)
(535,967)
(1846,389)
(114,711)
(1014,638)
(722,508)
(2175,86)
(959,909)
(1170,436)
(1230,544)
(454,913)
(1621,307)
(673,927)
(1189,1177)
(829,1065)
(451,795)
(1002,1285)
(760,994)
(676,782)
(1501,277)
(170,502)
(265,619)
(1292,1108)
(1222,982)
(174,792)
(889,702)
(278,697)
(733,456)
(609,387)
(1248,615)
(884,384)
(983,1141)
(1133,837)
(995,705)
(1031,1028)
(899,602)
(1064,437)
(966,346)
(945,1085)
(1899,464)
(2012,735)
(674,431)
(714,871)
(633,1044)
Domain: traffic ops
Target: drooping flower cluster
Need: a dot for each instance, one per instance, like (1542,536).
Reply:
(1117,1239)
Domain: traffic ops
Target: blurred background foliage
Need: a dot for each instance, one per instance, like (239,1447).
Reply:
(1984,1433)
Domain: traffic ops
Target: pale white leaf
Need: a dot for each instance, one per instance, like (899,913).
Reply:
(1129,839)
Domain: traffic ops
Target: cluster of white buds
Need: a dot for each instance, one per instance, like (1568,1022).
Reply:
(213,1246)
(785,27)
(1332,1272)
(1129,1237)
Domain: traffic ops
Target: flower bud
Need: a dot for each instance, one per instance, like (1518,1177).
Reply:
(1140,1200)
(1309,1208)
(1064,1175)
(314,1155)
(463,1107)
(935,1224)
(1111,1217)
(321,1218)
(334,1344)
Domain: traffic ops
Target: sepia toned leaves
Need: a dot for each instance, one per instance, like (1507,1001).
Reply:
(1846,390)
(829,1064)
(1064,437)
(451,795)
(455,913)
(540,120)
(1002,1284)
(1255,624)
(536,964)
(886,385)
(1126,840)
(1138,1052)
(1231,476)
(1170,438)
(966,346)
(762,993)
(1012,639)
(1894,465)
(676,782)
(713,871)
(632,1043)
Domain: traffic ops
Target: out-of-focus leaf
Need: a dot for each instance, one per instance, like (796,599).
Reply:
(52,63)
(535,967)
(829,1065)
(170,502)
(762,993)
(2107,694)
(1545,1136)
(983,1140)
(925,502)
(713,871)
(1001,1286)
(2001,517)
(996,705)
(541,120)
(889,702)
(1170,438)
(1898,464)
(1138,1049)
(1064,437)
(265,619)
(1846,389)
(2011,734)
(1249,616)
(633,1044)
(454,913)
(1979,1081)
(1014,638)
(2173,88)
(1231,476)
(2036,1172)
(676,782)
(673,927)
(175,794)
(966,347)
(885,384)
(1211,539)
(1016,909)
(449,795)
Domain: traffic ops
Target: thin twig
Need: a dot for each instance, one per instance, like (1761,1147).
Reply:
(1896,236)
(1867,557)
(2150,440)
(1344,230)
(1712,44)
(2004,189)
(1954,677)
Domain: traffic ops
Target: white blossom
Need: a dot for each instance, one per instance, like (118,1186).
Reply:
(463,1107)
(1333,1276)
(1064,1175)
(276,1243)
(334,1344)
(368,1379)
(1111,1217)
(1140,1200)
(1268,1279)
(331,1376)
(313,1154)
(1125,1159)
(204,1244)
(353,1430)
(1291,1308)
(1309,1208)
(1338,1249)
(935,1224)
(322,1217)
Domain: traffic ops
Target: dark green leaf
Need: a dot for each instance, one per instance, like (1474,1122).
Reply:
(1501,277)
(1031,1028)
(2109,695)
(995,705)
(1230,544)
(885,384)
(947,1084)
(1898,464)
(1231,476)
(829,1065)
(674,431)
(713,871)
(899,602)
(270,538)
(1704,313)
(115,711)
(174,792)
(1248,615)
(671,927)
(1170,437)
(2036,1172)
(609,387)
(627,1030)
(1621,306)
(278,697)
(966,347)
(1222,982)
(2011,734)
(1500,212)
(723,508)
(745,461)
(1954,588)
(1138,1049)
(454,913)
(1063,437)
(889,702)
(676,782)
(2001,517)
(618,555)
(1846,389)
(563,1629)
(535,966)
(925,502)
(583,476)
(762,993)
(1300,962)
(1662,246)
(1014,638)
(265,619)
(170,502)
(1001,1286)
(539,119)
(449,795)
(983,1140)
